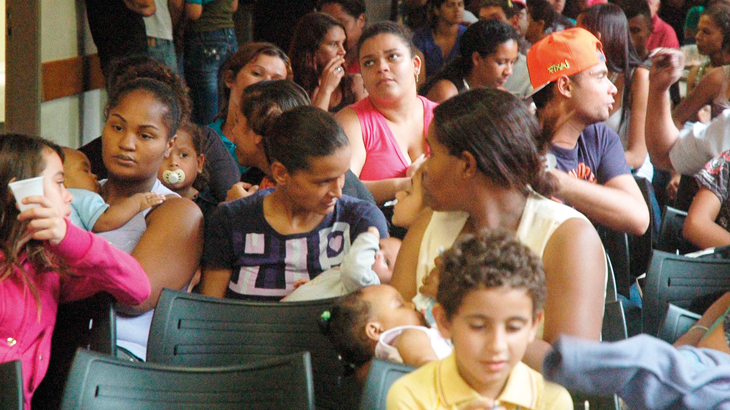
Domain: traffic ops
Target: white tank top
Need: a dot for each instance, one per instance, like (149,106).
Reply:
(540,218)
(132,332)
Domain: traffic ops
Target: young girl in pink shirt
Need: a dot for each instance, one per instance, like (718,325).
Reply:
(46,260)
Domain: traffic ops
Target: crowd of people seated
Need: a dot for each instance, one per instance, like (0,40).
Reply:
(445,183)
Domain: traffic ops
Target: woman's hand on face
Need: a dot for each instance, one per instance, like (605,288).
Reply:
(46,223)
(332,74)
(415,165)
(241,190)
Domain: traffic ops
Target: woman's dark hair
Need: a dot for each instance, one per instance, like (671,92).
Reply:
(388,27)
(720,14)
(161,92)
(499,131)
(609,23)
(300,134)
(240,59)
(198,140)
(345,325)
(308,37)
(482,37)
(541,10)
(263,102)
(490,259)
(21,157)
(131,68)
(355,8)
(507,6)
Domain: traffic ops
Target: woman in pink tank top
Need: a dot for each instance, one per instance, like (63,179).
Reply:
(387,130)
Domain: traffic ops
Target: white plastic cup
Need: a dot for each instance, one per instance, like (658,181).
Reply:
(25,188)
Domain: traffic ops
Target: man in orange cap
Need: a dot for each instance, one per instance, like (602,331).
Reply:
(573,95)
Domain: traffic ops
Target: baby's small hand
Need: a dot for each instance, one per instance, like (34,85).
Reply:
(149,200)
(431,282)
(241,190)
(373,230)
(416,165)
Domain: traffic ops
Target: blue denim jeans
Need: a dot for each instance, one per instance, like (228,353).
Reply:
(205,52)
(163,51)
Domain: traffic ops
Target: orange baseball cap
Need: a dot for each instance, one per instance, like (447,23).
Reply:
(562,53)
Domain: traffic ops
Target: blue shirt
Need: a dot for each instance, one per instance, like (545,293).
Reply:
(86,208)
(230,146)
(647,373)
(432,53)
(597,157)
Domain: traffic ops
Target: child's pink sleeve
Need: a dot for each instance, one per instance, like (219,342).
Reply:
(100,267)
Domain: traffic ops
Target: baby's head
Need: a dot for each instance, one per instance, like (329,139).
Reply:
(410,203)
(357,320)
(490,299)
(77,171)
(385,257)
(185,166)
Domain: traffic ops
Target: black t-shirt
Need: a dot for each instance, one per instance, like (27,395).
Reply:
(117,31)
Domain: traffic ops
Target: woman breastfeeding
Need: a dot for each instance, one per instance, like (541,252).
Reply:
(46,260)
(387,129)
(485,172)
(257,247)
(142,118)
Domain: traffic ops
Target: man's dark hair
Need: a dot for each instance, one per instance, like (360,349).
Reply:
(542,97)
(633,8)
(507,6)
(354,8)
(489,259)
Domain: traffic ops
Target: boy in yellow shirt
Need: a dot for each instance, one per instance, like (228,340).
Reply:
(490,303)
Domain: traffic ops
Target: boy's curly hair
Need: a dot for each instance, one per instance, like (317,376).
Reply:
(489,259)
(345,328)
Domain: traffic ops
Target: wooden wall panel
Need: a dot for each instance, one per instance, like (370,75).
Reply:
(64,78)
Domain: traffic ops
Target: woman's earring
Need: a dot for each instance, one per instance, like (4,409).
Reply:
(416,77)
